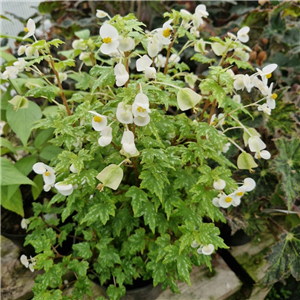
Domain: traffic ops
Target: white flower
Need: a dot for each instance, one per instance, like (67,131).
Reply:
(20,64)
(31,51)
(215,201)
(121,74)
(24,260)
(106,136)
(194,244)
(208,249)
(150,72)
(47,172)
(143,63)
(126,44)
(271,97)
(62,77)
(140,106)
(101,14)
(244,56)
(217,121)
(248,186)
(231,35)
(219,184)
(242,34)
(187,98)
(141,121)
(226,200)
(154,46)
(99,121)
(31,267)
(110,38)
(263,154)
(64,189)
(73,169)
(226,147)
(265,108)
(260,85)
(194,31)
(21,50)
(266,72)
(242,81)
(174,58)
(256,144)
(124,113)
(128,142)
(236,98)
(30,29)
(200,12)
(10,72)
(165,33)
(160,61)
(24,223)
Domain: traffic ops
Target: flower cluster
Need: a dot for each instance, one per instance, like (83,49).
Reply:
(203,249)
(28,263)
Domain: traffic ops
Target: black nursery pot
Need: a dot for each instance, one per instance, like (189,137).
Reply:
(239,238)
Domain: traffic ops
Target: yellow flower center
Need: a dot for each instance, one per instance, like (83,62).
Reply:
(47,173)
(224,122)
(269,75)
(274,96)
(107,40)
(167,32)
(140,109)
(228,199)
(97,119)
(240,194)
(214,123)
(26,29)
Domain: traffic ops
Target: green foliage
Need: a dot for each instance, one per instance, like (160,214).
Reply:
(284,258)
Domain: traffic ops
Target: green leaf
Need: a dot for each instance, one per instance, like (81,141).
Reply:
(240,64)
(55,43)
(83,250)
(98,211)
(50,92)
(287,163)
(39,182)
(83,34)
(214,91)
(284,258)
(245,161)
(115,293)
(22,120)
(137,242)
(49,152)
(7,146)
(10,175)
(79,267)
(106,78)
(203,59)
(43,136)
(13,202)
(159,272)
(138,198)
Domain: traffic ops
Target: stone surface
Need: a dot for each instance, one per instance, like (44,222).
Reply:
(251,255)
(259,293)
(223,284)
(16,280)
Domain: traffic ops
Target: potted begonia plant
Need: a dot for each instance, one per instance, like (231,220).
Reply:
(143,171)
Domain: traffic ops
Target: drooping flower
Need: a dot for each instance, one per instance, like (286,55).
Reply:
(244,56)
(200,46)
(236,98)
(140,106)
(154,46)
(218,48)
(79,44)
(160,61)
(101,14)
(191,79)
(266,72)
(126,43)
(150,72)
(143,63)
(187,98)
(10,72)
(174,58)
(128,142)
(106,136)
(99,121)
(30,29)
(242,34)
(248,186)
(194,31)
(73,169)
(124,113)
(263,154)
(24,223)
(64,189)
(219,184)
(215,201)
(21,50)
(208,249)
(256,144)
(264,108)
(271,97)
(243,81)
(121,74)
(20,64)
(194,244)
(24,260)
(226,200)
(260,85)
(226,147)
(200,12)
(165,33)
(111,176)
(31,51)
(48,174)
(110,38)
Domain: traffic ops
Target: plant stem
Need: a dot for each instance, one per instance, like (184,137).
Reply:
(206,105)
(60,87)
(214,105)
(235,144)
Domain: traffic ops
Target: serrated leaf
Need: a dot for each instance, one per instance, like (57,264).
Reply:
(284,258)
(55,43)
(138,197)
(115,293)
(214,91)
(83,250)
(240,64)
(100,211)
(79,267)
(106,77)
(287,163)
(202,58)
(50,92)
(137,242)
